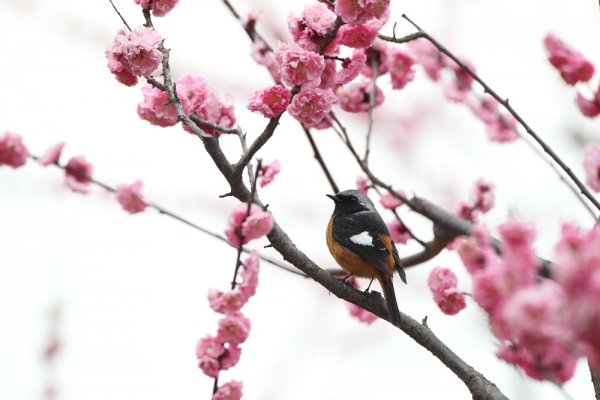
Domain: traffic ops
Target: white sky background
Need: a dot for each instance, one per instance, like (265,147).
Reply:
(133,288)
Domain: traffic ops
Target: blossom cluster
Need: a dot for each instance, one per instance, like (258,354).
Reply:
(573,68)
(134,53)
(247,223)
(543,325)
(480,201)
(315,78)
(358,312)
(457,87)
(78,171)
(442,283)
(196,97)
(160,8)
(222,351)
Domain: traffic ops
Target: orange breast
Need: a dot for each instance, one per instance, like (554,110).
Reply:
(350,262)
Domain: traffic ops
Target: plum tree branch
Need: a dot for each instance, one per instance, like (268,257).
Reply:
(167,213)
(505,103)
(478,385)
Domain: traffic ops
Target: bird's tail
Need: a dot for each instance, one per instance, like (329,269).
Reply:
(390,298)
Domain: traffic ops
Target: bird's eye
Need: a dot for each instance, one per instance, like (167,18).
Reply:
(353,199)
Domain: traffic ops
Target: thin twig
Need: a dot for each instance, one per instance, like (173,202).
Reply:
(320,160)
(174,98)
(120,16)
(505,103)
(372,94)
(163,211)
(257,145)
(328,38)
(207,124)
(240,234)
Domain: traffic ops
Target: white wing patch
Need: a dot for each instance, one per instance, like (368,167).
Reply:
(362,239)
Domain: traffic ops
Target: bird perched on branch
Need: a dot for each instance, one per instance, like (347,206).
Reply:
(360,242)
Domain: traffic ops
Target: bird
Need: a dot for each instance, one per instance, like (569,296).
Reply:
(360,242)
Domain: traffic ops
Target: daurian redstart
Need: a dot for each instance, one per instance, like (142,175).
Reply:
(360,242)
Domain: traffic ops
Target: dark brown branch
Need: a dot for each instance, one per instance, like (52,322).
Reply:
(595,381)
(505,103)
(257,145)
(404,39)
(320,160)
(169,86)
(120,16)
(327,39)
(477,384)
(207,124)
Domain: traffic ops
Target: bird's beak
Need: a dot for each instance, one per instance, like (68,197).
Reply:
(332,197)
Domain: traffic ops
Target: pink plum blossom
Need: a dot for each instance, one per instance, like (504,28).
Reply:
(351,67)
(209,346)
(134,53)
(358,312)
(250,225)
(363,184)
(429,57)
(398,232)
(160,8)
(318,17)
(311,27)
(192,90)
(234,328)
(476,251)
(361,314)
(261,53)
(12,150)
(299,67)
(210,366)
(502,129)
(377,55)
(156,108)
(226,302)
(270,102)
(484,108)
(482,196)
(78,174)
(359,11)
(130,197)
(442,283)
(441,279)
(231,356)
(249,275)
(400,67)
(216,110)
(578,272)
(354,97)
(268,173)
(451,301)
(390,202)
(213,355)
(231,390)
(557,363)
(460,86)
(358,36)
(591,165)
(589,108)
(311,106)
(52,155)
(329,75)
(571,64)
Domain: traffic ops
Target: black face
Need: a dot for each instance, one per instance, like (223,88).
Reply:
(350,202)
